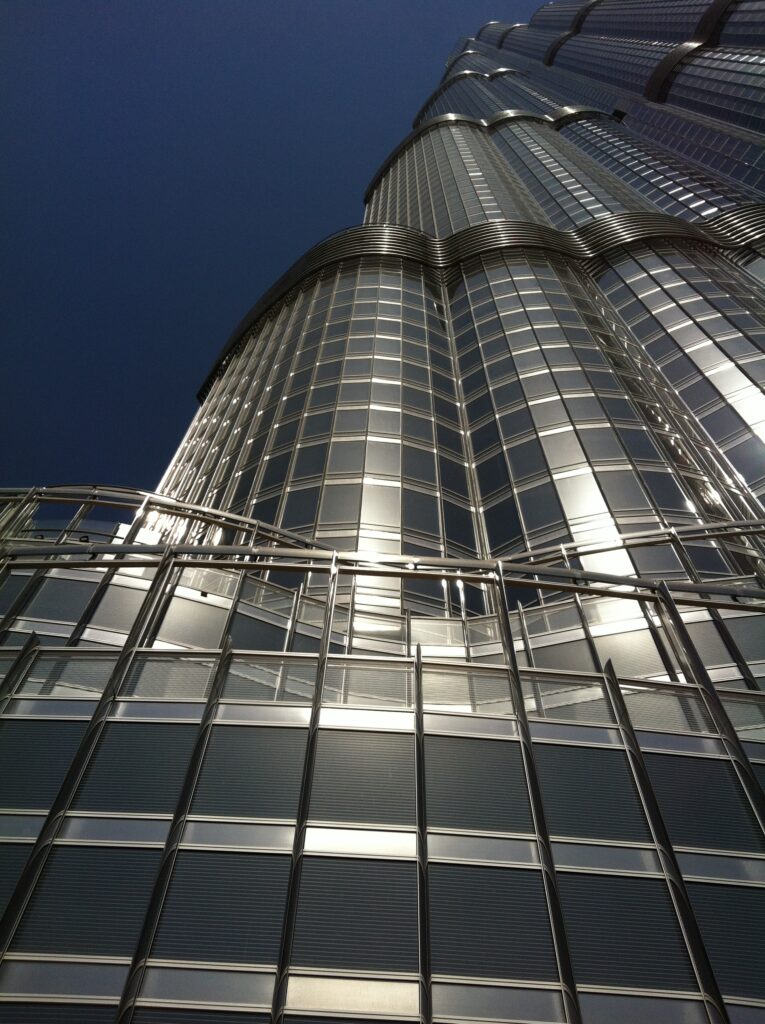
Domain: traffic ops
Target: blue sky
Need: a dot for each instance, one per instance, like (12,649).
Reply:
(162,164)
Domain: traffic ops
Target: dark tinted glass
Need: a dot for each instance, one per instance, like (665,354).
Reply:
(364,777)
(703,804)
(224,907)
(732,922)
(89,900)
(13,857)
(137,767)
(357,914)
(252,772)
(489,922)
(623,931)
(45,749)
(588,791)
(476,784)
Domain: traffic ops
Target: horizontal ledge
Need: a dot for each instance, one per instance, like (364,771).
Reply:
(556,119)
(729,230)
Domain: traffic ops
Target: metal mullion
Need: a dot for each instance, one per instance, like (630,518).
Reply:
(15,510)
(693,665)
(290,913)
(718,620)
(138,967)
(658,640)
(55,818)
(524,634)
(423,892)
(713,1000)
(589,639)
(107,577)
(294,612)
(544,846)
(18,670)
(30,588)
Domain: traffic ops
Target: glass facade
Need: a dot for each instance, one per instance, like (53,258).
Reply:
(430,686)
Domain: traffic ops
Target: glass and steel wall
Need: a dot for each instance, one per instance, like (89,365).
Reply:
(245,799)
(431,686)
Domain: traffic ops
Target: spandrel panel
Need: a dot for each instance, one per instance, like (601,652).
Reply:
(357,915)
(89,900)
(224,907)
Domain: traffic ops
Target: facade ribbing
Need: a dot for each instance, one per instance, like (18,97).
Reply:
(430,686)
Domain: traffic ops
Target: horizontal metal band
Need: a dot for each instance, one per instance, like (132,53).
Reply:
(706,31)
(453,60)
(467,73)
(729,230)
(555,119)
(574,28)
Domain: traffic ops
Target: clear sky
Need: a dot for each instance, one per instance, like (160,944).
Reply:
(162,162)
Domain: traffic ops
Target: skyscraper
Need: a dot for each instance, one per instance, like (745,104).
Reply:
(429,688)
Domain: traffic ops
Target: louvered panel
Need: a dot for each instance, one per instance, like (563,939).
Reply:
(703,804)
(168,678)
(89,900)
(364,777)
(490,923)
(369,684)
(224,907)
(357,914)
(13,857)
(137,766)
(623,931)
(250,771)
(270,679)
(476,784)
(589,791)
(52,674)
(664,710)
(152,1015)
(732,923)
(301,1019)
(56,1013)
(749,636)
(633,653)
(45,749)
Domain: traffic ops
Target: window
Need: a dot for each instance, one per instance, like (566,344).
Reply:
(224,907)
(589,792)
(364,777)
(623,931)
(703,804)
(89,900)
(251,772)
(490,922)
(476,784)
(45,748)
(357,915)
(137,767)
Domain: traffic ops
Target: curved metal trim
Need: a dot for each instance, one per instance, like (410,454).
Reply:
(731,229)
(453,60)
(573,30)
(486,25)
(442,86)
(508,30)
(446,82)
(658,84)
(556,119)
